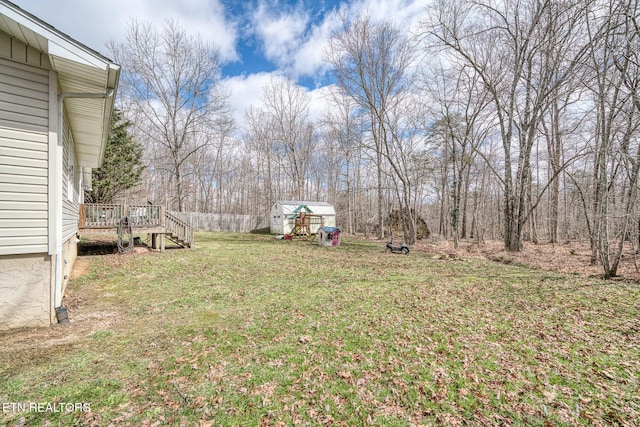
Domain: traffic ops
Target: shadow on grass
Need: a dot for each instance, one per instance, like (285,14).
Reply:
(265,230)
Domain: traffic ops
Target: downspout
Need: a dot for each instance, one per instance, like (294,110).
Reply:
(59,266)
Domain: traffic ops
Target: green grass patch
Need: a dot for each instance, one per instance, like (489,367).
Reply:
(245,329)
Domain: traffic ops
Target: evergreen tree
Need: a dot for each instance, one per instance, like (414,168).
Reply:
(122,166)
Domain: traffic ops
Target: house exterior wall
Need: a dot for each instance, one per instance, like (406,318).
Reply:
(24,127)
(71,185)
(40,181)
(26,267)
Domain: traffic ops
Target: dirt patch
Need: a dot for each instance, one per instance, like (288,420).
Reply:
(106,245)
(35,345)
(81,267)
(86,316)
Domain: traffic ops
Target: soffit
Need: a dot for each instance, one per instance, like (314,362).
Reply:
(80,70)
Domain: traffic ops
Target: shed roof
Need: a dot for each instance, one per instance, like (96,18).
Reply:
(80,69)
(319,208)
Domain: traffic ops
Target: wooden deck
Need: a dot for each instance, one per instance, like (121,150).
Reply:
(152,220)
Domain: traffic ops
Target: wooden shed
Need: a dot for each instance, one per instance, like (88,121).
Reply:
(283,214)
(55,108)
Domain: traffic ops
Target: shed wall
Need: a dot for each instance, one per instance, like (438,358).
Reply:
(281,223)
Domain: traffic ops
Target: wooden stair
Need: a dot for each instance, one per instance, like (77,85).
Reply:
(178,231)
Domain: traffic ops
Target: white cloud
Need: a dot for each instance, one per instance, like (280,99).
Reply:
(245,92)
(280,33)
(94,23)
(308,60)
(319,102)
(295,44)
(399,12)
(202,17)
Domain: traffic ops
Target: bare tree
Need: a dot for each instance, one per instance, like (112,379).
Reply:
(287,108)
(459,109)
(613,82)
(211,166)
(522,53)
(563,124)
(343,128)
(172,81)
(370,63)
(261,142)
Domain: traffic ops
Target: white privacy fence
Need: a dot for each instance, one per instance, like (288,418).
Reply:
(223,222)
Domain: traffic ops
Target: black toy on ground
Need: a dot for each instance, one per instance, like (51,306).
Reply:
(397,248)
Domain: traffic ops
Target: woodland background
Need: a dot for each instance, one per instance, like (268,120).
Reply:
(509,120)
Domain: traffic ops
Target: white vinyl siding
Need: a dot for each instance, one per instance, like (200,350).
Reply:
(70,191)
(24,121)
(11,48)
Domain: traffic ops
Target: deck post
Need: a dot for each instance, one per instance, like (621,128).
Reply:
(82,216)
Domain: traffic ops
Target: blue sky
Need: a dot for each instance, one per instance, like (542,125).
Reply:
(257,38)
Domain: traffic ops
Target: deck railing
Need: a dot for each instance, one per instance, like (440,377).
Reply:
(146,216)
(93,215)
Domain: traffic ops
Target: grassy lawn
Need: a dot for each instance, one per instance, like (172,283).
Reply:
(249,330)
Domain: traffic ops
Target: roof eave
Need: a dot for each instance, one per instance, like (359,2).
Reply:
(80,69)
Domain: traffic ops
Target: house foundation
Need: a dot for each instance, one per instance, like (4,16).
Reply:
(26,294)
